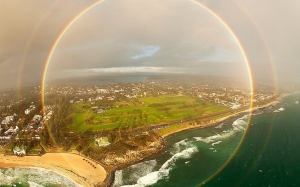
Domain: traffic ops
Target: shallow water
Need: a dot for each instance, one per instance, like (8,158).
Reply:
(33,177)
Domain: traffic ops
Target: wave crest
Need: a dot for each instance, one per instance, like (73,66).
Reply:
(40,176)
(280,110)
(163,172)
(238,125)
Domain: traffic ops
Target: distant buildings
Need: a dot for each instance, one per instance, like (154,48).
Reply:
(9,129)
(34,127)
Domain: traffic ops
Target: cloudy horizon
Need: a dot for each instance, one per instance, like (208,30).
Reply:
(146,37)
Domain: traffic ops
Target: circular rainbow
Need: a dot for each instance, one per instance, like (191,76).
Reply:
(211,12)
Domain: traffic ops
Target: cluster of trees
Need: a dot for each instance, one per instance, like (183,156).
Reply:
(188,106)
(27,144)
(165,109)
(20,107)
(57,128)
(135,111)
(168,103)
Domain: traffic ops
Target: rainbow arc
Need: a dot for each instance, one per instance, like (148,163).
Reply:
(202,6)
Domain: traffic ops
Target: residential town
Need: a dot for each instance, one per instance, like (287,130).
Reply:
(23,116)
(230,96)
(10,130)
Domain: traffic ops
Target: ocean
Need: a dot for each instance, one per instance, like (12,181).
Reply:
(33,177)
(228,154)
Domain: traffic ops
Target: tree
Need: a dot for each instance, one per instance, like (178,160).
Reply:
(79,148)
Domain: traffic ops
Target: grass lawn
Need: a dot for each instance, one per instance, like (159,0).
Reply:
(142,111)
(173,128)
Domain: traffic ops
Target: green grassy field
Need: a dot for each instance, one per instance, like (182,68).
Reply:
(142,111)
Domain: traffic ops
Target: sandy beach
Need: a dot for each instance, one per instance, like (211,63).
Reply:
(82,170)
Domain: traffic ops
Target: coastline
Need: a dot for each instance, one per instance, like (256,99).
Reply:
(79,170)
(82,170)
(250,110)
(213,122)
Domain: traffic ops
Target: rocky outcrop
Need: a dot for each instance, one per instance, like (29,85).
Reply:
(131,148)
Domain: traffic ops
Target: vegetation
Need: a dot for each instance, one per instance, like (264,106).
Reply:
(30,147)
(72,126)
(173,128)
(126,147)
(57,131)
(140,112)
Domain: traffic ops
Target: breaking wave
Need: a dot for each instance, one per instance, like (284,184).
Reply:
(258,113)
(179,146)
(216,143)
(183,142)
(33,184)
(136,171)
(118,178)
(183,149)
(238,125)
(40,176)
(219,126)
(163,172)
(279,110)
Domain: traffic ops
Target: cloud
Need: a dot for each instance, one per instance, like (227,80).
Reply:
(150,33)
(73,73)
(146,52)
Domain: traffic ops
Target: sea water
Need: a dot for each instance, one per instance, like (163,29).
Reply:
(264,152)
(33,177)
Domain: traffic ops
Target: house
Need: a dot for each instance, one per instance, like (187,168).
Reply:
(12,131)
(104,91)
(102,141)
(94,107)
(100,111)
(27,111)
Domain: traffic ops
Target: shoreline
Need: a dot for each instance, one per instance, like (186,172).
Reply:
(81,170)
(83,173)
(213,122)
(272,103)
(250,110)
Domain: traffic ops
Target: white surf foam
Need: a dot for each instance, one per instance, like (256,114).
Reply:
(118,178)
(182,142)
(258,113)
(216,143)
(179,146)
(219,126)
(187,153)
(238,125)
(33,184)
(40,177)
(279,110)
(163,172)
(136,171)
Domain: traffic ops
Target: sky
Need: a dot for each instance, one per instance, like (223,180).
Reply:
(149,36)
